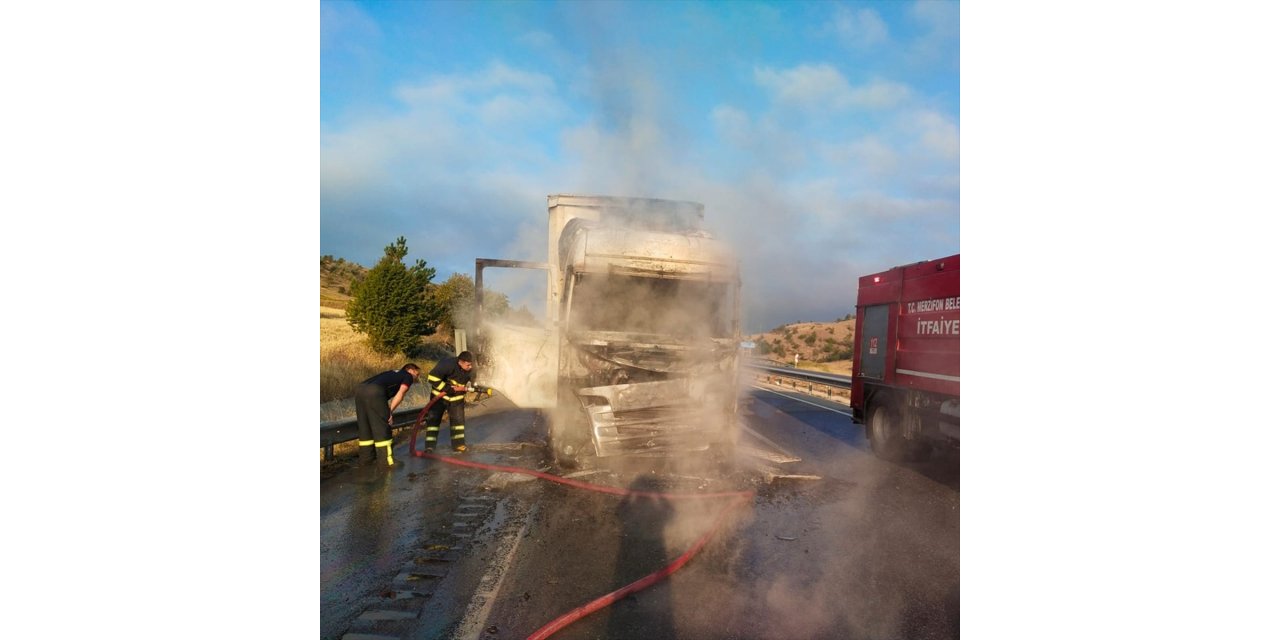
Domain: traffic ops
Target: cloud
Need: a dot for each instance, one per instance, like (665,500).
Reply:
(805,84)
(939,42)
(444,122)
(803,241)
(862,28)
(821,87)
(941,18)
(498,94)
(879,94)
(939,135)
(831,181)
(457,167)
(765,143)
(537,39)
(344,27)
(870,154)
(731,123)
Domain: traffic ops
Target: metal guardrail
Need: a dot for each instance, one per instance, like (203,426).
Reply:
(810,382)
(340,431)
(811,376)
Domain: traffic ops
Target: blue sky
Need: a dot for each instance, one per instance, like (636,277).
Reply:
(823,138)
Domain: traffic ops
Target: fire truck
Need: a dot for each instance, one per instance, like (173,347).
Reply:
(906,359)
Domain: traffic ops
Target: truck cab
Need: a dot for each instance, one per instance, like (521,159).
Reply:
(639,355)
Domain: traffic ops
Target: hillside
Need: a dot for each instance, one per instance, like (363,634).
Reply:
(336,276)
(824,346)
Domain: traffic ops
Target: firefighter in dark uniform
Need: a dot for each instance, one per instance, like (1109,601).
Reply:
(376,400)
(450,377)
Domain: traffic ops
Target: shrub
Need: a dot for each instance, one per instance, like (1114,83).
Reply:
(457,297)
(391,305)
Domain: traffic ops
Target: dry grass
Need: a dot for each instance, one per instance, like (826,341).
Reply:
(346,360)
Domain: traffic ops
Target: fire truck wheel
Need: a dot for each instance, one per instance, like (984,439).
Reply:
(884,432)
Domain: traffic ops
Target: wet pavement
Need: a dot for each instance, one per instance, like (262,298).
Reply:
(833,542)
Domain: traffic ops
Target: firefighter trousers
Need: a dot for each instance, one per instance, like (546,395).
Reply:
(457,418)
(372,412)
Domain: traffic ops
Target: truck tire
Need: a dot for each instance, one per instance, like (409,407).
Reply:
(884,433)
(568,433)
(566,449)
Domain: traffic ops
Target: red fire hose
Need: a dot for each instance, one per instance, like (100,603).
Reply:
(417,423)
(547,630)
(643,583)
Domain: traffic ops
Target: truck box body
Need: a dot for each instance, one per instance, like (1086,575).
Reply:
(907,348)
(642,333)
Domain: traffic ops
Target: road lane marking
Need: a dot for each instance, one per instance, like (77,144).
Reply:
(495,574)
(843,413)
(785,456)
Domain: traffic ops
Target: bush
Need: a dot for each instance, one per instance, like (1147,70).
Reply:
(391,303)
(843,353)
(457,297)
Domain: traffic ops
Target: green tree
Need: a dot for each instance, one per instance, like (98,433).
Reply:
(391,305)
(457,297)
(454,296)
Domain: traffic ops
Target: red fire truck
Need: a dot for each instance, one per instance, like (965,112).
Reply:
(906,358)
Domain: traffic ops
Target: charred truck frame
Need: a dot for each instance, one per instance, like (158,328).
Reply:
(639,352)
(906,364)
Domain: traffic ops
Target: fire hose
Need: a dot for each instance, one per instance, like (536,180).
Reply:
(547,630)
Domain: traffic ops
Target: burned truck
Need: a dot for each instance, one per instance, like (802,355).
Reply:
(638,354)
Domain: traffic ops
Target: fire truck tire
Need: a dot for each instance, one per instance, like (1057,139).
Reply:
(884,432)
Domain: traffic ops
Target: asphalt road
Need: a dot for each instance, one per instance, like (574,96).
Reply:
(833,542)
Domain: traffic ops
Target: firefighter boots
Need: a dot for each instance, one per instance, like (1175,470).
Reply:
(367,456)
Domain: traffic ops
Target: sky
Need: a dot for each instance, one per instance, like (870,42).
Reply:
(822,137)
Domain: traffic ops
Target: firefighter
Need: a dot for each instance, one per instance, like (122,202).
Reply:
(376,401)
(450,377)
